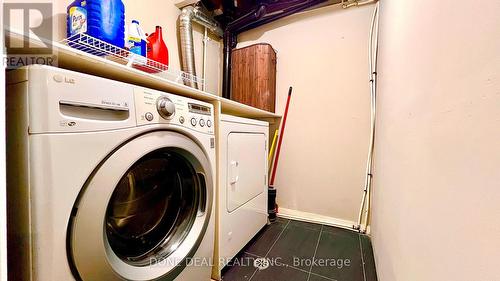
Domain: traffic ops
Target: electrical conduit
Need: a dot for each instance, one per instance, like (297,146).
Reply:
(364,211)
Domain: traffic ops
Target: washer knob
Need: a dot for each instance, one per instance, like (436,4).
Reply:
(149,116)
(165,107)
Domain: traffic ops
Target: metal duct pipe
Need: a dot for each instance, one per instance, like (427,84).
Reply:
(187,44)
(199,15)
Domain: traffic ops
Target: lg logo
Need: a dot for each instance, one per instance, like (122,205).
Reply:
(59,79)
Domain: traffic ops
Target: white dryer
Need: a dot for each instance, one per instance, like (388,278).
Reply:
(106,180)
(242,185)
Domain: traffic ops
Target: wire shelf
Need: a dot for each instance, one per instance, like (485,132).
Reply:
(97,47)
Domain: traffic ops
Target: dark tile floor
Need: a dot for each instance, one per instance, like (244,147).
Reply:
(289,250)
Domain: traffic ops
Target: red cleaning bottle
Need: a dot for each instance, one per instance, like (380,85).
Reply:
(157,50)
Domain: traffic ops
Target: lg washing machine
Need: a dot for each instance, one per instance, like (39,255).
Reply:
(106,180)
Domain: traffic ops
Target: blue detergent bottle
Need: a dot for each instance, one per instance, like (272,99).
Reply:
(101,19)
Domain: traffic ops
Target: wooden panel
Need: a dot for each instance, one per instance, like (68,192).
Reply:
(253,76)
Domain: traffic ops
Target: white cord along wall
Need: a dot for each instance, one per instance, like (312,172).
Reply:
(364,211)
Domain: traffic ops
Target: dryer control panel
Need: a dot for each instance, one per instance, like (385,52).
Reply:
(155,107)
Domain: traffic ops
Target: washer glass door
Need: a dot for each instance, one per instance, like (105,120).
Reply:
(145,210)
(151,210)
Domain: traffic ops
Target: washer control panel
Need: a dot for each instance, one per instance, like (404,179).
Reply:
(155,107)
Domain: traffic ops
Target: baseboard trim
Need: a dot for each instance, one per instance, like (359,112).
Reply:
(315,218)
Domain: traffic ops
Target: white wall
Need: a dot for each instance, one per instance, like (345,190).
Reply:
(436,214)
(323,54)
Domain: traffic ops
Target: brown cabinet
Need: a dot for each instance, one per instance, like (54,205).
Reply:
(253,76)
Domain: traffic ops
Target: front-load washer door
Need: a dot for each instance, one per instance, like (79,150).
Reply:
(144,211)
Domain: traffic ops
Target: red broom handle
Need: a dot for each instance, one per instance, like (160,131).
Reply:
(275,166)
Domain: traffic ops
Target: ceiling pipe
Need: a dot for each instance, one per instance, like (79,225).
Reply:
(201,16)
(262,14)
(280,11)
(237,25)
(230,41)
(354,3)
(189,15)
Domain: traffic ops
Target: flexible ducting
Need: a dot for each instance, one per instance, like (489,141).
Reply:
(189,15)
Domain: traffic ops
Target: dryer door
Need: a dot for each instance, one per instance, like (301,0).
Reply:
(246,168)
(144,211)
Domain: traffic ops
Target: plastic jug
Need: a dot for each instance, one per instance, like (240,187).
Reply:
(157,50)
(101,19)
(136,39)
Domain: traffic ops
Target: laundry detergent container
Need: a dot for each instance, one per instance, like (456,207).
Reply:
(101,19)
